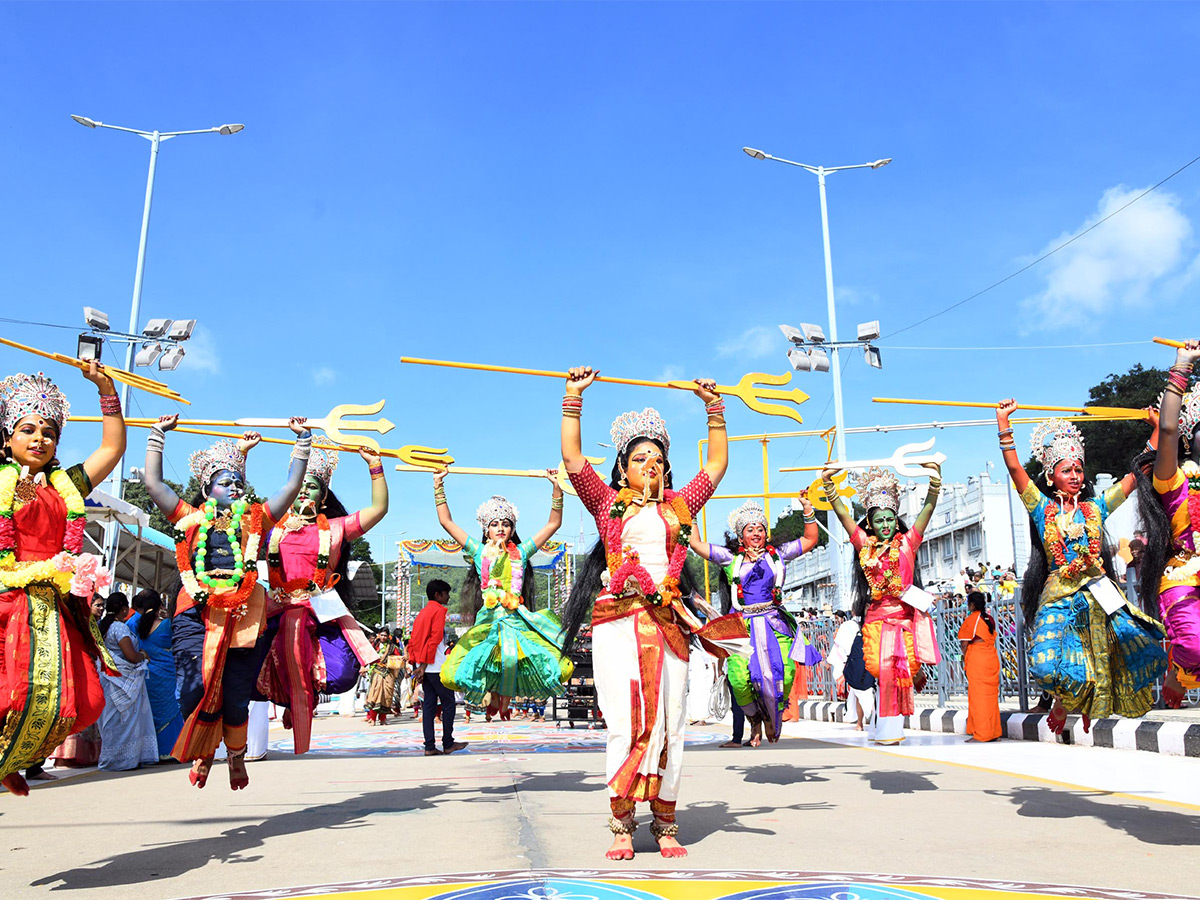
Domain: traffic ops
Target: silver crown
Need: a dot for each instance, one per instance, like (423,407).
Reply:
(631,426)
(878,489)
(1189,416)
(321,465)
(1055,440)
(221,455)
(495,510)
(31,395)
(749,513)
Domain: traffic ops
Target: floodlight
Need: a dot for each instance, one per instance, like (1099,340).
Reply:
(89,347)
(792,334)
(156,328)
(880,163)
(799,360)
(813,333)
(171,359)
(85,121)
(148,354)
(874,360)
(757,154)
(234,129)
(868,331)
(182,329)
(819,359)
(95,318)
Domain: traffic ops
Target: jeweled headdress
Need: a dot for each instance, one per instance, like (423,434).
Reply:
(1055,440)
(630,426)
(749,513)
(494,510)
(878,488)
(321,465)
(221,455)
(1189,416)
(31,395)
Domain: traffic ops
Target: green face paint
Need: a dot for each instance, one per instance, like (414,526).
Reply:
(883,523)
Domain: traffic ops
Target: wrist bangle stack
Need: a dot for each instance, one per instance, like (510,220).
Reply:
(110,405)
(376,471)
(810,517)
(572,406)
(303,448)
(556,502)
(1010,445)
(439,495)
(716,413)
(156,441)
(1005,433)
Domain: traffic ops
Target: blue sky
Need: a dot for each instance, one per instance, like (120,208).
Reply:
(553,184)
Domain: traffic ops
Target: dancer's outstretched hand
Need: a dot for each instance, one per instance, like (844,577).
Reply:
(580,378)
(167,423)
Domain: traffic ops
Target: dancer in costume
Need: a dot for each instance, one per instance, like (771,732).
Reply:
(762,684)
(316,645)
(49,685)
(898,638)
(1169,507)
(1092,650)
(386,669)
(641,621)
(510,651)
(220,610)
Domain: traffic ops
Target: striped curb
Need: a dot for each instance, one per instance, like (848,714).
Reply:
(1170,738)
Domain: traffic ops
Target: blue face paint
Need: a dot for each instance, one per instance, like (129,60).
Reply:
(226,487)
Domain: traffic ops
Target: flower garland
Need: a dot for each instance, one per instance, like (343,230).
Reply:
(880,563)
(72,570)
(776,590)
(1192,473)
(1087,554)
(624,562)
(320,577)
(220,593)
(494,591)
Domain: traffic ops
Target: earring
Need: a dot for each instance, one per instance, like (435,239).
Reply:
(621,481)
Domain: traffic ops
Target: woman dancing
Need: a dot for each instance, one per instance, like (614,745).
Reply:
(510,651)
(640,618)
(220,610)
(898,638)
(761,685)
(49,685)
(1169,506)
(316,650)
(1093,651)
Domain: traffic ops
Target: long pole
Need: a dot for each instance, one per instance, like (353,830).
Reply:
(835,368)
(134,314)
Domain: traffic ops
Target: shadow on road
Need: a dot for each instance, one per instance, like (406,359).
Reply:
(898,782)
(782,773)
(1144,823)
(170,860)
(709,817)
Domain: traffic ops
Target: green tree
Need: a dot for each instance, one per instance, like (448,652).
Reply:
(790,526)
(135,492)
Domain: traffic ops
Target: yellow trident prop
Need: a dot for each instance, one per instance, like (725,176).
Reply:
(561,477)
(1099,412)
(750,389)
(133,379)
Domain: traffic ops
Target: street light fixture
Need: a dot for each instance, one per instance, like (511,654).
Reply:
(156,328)
(85,121)
(95,318)
(171,359)
(148,354)
(182,329)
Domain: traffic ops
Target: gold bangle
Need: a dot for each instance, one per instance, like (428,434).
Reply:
(556,503)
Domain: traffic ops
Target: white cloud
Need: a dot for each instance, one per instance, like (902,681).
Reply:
(201,352)
(1119,267)
(323,375)
(753,343)
(848,295)
(671,373)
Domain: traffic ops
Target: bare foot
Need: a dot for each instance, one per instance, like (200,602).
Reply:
(671,848)
(1057,720)
(622,847)
(200,769)
(41,776)
(756,736)
(238,777)
(16,784)
(731,744)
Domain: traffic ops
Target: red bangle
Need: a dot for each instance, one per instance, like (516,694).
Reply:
(110,405)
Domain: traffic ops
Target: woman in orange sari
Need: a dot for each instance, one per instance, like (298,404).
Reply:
(982,665)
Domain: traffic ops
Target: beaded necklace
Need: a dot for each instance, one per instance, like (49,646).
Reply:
(221,593)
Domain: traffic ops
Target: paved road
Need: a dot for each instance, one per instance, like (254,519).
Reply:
(366,804)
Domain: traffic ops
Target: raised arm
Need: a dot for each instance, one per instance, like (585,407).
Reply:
(812,534)
(286,495)
(104,459)
(1168,413)
(840,509)
(701,548)
(160,492)
(443,510)
(371,516)
(578,380)
(556,511)
(931,497)
(1008,445)
(717,460)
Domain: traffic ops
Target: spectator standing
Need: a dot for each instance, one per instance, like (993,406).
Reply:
(153,628)
(982,666)
(427,650)
(127,738)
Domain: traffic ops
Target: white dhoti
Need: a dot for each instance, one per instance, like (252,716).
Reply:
(702,675)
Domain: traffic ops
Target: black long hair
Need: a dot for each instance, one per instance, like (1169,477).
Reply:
(471,594)
(148,602)
(1038,569)
(862,590)
(587,580)
(332,508)
(977,601)
(1159,541)
(113,607)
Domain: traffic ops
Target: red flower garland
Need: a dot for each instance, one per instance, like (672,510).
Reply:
(1086,555)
